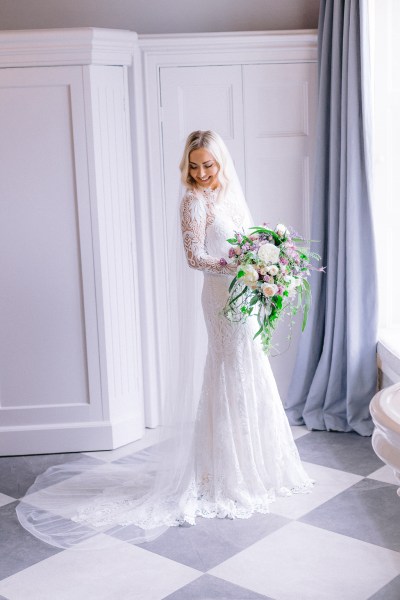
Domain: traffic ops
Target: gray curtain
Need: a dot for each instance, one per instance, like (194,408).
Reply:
(335,372)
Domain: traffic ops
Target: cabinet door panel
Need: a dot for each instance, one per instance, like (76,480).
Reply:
(199,98)
(279,131)
(193,98)
(48,348)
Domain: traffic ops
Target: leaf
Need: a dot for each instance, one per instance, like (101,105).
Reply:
(254,300)
(307,303)
(240,274)
(234,280)
(258,332)
(238,296)
(232,240)
(278,301)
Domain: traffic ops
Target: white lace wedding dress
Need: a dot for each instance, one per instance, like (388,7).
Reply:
(244,453)
(240,454)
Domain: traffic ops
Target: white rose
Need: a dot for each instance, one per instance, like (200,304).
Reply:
(269,289)
(268,253)
(273,270)
(250,275)
(281,230)
(292,284)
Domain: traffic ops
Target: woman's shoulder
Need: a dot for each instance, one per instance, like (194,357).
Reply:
(193,204)
(192,197)
(191,194)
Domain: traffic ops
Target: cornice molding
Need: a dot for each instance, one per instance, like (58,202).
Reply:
(301,44)
(78,46)
(229,48)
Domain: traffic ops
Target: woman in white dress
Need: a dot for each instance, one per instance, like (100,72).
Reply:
(227,449)
(244,450)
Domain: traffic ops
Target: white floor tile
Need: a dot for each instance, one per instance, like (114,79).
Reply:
(302,562)
(121,572)
(4,499)
(299,431)
(385,474)
(151,436)
(328,483)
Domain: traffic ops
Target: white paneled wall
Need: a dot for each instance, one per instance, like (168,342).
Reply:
(83,224)
(70,360)
(279,126)
(259,92)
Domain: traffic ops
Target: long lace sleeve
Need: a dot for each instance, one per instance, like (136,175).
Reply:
(193,223)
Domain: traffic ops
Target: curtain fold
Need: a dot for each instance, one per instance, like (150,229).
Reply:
(335,373)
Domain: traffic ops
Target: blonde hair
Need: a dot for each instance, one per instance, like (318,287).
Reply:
(211,141)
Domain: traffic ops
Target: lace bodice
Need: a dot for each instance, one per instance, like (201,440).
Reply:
(207,222)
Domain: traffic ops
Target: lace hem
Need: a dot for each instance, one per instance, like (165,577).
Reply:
(196,504)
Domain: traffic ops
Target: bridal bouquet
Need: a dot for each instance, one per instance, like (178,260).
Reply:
(271,278)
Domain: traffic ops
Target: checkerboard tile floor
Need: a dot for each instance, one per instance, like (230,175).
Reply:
(341,542)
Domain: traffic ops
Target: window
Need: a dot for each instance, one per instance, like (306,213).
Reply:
(384,25)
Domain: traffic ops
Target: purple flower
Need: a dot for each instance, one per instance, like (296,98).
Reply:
(222,262)
(283,261)
(231,252)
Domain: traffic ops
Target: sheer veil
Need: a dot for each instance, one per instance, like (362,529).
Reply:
(97,503)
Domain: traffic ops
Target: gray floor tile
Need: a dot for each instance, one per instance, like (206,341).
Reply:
(212,541)
(17,473)
(367,511)
(345,451)
(208,587)
(391,591)
(18,548)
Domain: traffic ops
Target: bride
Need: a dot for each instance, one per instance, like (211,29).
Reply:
(226,448)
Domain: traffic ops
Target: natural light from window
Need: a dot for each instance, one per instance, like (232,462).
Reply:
(385,45)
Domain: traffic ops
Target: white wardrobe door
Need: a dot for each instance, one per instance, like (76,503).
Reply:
(199,98)
(193,98)
(48,340)
(279,132)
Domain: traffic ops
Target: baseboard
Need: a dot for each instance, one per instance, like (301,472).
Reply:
(75,437)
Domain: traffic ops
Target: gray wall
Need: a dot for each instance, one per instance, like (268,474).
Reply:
(161,16)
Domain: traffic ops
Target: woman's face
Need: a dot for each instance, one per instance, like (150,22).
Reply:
(203,168)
